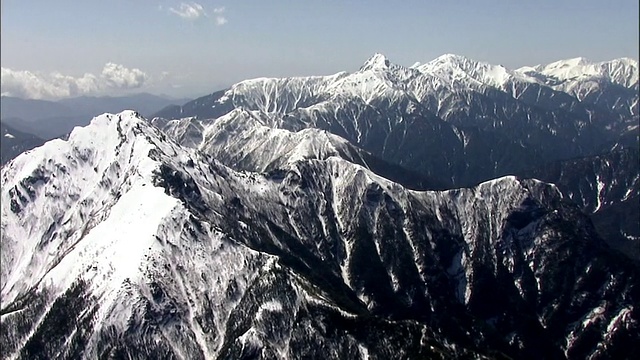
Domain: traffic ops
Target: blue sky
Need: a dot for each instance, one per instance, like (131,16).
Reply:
(185,48)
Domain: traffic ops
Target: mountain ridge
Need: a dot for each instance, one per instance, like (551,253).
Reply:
(375,106)
(275,219)
(323,253)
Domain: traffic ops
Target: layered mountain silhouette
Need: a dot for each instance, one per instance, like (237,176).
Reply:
(395,212)
(454,121)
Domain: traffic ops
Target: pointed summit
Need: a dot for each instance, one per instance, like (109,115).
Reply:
(377,61)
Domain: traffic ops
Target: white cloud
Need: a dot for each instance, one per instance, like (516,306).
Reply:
(189,11)
(164,75)
(220,19)
(118,76)
(32,85)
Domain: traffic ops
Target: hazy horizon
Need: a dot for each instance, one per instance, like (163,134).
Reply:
(180,49)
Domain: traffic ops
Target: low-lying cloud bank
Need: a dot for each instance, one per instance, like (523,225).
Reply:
(33,85)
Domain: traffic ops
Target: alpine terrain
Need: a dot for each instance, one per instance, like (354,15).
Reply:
(452,209)
(15,142)
(453,120)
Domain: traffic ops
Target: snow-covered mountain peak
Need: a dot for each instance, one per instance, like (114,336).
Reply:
(376,62)
(102,135)
(380,79)
(247,140)
(567,69)
(276,95)
(626,61)
(459,69)
(622,71)
(567,63)
(452,59)
(63,188)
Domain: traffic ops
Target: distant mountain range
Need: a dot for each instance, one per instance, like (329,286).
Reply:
(453,209)
(14,142)
(50,119)
(452,119)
